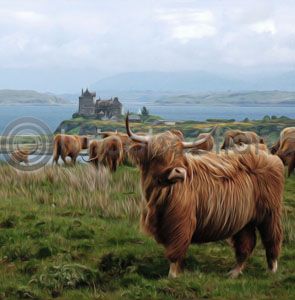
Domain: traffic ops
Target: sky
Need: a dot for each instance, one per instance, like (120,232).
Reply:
(62,45)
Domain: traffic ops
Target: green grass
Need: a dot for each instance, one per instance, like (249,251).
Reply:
(73,233)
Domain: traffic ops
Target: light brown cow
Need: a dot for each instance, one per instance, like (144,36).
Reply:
(126,142)
(108,152)
(19,156)
(68,145)
(285,148)
(199,199)
(239,137)
(207,146)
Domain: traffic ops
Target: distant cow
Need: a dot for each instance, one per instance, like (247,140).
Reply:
(108,152)
(124,139)
(199,199)
(207,146)
(68,146)
(19,156)
(93,152)
(285,148)
(239,137)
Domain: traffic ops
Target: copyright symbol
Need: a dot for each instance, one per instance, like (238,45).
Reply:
(27,144)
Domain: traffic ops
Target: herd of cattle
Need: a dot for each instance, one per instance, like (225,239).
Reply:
(112,149)
(195,195)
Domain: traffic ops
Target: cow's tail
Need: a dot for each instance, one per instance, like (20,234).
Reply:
(56,151)
(89,160)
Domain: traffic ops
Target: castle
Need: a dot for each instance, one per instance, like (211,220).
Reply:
(102,109)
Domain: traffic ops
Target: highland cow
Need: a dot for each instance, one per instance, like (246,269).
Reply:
(206,146)
(68,146)
(199,199)
(239,137)
(19,156)
(285,148)
(108,152)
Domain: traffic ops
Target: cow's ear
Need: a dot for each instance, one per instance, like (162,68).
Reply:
(138,153)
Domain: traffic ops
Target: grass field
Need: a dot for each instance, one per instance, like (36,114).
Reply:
(73,233)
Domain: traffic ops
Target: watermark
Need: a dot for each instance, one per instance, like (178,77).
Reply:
(27,144)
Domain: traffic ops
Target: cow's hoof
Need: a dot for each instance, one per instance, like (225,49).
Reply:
(234,273)
(274,267)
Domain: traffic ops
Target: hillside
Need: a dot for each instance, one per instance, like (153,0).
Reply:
(251,98)
(195,81)
(166,81)
(29,97)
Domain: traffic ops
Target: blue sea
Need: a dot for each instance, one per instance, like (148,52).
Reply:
(53,115)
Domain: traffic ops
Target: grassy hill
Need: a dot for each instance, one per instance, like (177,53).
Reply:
(73,233)
(13,97)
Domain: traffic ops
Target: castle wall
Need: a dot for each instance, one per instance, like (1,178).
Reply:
(86,106)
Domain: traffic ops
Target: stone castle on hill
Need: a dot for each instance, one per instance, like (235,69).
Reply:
(89,106)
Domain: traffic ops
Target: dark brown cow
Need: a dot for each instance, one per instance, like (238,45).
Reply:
(199,199)
(239,137)
(285,148)
(108,152)
(68,145)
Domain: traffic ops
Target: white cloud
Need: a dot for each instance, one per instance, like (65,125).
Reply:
(266,26)
(117,36)
(188,24)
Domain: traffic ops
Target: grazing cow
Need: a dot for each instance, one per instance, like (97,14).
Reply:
(245,147)
(93,152)
(108,152)
(68,145)
(285,148)
(19,156)
(198,199)
(124,139)
(207,146)
(239,137)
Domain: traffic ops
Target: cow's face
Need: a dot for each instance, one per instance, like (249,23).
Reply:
(161,158)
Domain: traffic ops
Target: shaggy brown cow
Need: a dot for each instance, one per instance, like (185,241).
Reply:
(68,145)
(285,148)
(207,146)
(240,137)
(241,148)
(93,153)
(198,199)
(19,156)
(108,152)
(124,139)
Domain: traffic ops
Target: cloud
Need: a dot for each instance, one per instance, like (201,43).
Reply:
(267,26)
(188,24)
(114,36)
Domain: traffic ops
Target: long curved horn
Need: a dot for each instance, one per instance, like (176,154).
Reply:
(187,145)
(134,137)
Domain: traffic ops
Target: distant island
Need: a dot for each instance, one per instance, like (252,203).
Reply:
(247,98)
(29,97)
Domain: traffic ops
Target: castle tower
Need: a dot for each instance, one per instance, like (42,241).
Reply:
(87,103)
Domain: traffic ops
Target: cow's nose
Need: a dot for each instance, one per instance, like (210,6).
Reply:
(177,174)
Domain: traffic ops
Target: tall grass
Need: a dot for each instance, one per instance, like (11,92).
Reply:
(81,186)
